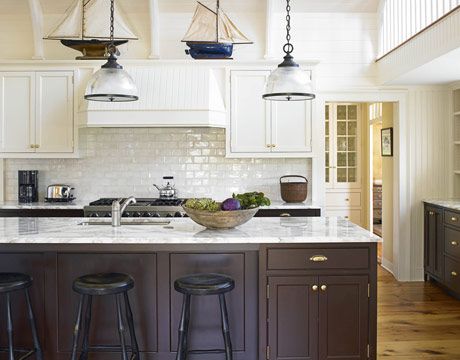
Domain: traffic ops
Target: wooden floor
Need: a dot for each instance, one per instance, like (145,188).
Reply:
(416,321)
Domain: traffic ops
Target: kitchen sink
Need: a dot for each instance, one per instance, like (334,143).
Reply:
(125,222)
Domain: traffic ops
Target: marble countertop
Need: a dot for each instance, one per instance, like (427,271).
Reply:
(14,205)
(182,231)
(453,204)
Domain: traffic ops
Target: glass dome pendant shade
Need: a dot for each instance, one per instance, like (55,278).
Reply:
(111,83)
(288,82)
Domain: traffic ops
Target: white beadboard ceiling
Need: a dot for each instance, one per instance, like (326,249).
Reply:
(141,6)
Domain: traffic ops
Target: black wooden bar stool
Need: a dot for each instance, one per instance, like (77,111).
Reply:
(100,285)
(203,284)
(11,282)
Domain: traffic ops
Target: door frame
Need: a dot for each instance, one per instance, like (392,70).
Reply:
(401,194)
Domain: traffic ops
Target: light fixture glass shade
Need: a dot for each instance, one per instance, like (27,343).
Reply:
(111,85)
(288,83)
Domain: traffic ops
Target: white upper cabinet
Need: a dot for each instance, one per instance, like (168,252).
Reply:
(37,114)
(17,97)
(260,128)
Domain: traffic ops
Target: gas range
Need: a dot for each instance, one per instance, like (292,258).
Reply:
(144,207)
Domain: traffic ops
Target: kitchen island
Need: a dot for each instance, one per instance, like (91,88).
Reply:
(305,287)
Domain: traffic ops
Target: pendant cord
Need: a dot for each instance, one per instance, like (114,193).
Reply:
(288,48)
(112,48)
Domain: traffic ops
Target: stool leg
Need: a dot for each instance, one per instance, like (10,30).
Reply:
(33,327)
(121,328)
(85,344)
(76,330)
(183,329)
(132,333)
(225,327)
(9,328)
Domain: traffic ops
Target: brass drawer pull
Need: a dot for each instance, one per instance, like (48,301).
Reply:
(453,218)
(323,287)
(318,258)
(314,287)
(285,215)
(454,243)
(454,273)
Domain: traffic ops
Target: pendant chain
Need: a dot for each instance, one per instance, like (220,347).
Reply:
(288,48)
(112,11)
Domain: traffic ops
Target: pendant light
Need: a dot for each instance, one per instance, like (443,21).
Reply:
(288,82)
(111,83)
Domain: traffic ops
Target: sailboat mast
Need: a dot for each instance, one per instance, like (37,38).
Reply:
(217,21)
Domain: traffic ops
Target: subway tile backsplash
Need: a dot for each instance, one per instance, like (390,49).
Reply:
(127,161)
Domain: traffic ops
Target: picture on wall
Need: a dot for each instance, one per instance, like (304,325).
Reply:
(387,141)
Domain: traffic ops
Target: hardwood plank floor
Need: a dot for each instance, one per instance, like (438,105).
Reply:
(416,321)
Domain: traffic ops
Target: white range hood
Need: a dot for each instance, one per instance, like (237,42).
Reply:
(169,96)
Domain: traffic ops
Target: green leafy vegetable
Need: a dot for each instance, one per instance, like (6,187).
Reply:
(203,204)
(251,200)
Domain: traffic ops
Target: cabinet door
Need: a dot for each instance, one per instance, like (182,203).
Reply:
(291,126)
(434,242)
(249,113)
(54,118)
(293,318)
(17,123)
(343,317)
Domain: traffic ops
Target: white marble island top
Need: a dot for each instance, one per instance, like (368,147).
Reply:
(453,204)
(183,231)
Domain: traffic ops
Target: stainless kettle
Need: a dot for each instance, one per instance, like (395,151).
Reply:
(59,192)
(168,189)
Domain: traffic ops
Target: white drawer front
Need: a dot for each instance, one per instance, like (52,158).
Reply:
(353,215)
(343,199)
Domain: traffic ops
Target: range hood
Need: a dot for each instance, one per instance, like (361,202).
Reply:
(169,96)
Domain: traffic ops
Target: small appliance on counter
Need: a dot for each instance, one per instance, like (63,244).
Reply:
(294,191)
(27,186)
(59,193)
(168,190)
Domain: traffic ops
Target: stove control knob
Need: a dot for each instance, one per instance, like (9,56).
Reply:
(177,214)
(169,215)
(137,214)
(156,215)
(127,214)
(94,215)
(107,215)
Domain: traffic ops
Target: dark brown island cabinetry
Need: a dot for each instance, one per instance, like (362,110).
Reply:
(303,301)
(442,247)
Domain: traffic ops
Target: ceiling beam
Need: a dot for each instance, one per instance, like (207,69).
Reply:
(36,14)
(154,29)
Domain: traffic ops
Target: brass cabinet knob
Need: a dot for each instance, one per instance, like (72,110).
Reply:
(453,218)
(454,243)
(454,273)
(314,287)
(347,199)
(318,258)
(285,215)
(431,213)
(323,287)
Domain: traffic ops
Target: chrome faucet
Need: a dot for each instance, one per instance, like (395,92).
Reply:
(118,208)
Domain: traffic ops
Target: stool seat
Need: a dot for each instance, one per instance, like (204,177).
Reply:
(204,284)
(103,284)
(14,281)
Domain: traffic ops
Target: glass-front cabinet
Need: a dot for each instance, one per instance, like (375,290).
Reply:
(342,145)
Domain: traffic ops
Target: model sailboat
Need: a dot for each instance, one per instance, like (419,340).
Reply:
(211,34)
(86,27)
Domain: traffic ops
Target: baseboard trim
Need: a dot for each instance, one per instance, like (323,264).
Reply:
(387,265)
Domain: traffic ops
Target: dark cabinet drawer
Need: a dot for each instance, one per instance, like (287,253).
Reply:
(305,259)
(452,274)
(452,242)
(452,218)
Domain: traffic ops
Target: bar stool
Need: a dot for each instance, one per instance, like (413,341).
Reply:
(11,282)
(115,284)
(201,285)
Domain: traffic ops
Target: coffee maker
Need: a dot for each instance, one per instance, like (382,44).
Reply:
(27,186)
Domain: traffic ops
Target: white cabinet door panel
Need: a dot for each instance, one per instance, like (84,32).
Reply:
(250,114)
(17,96)
(343,199)
(291,126)
(54,119)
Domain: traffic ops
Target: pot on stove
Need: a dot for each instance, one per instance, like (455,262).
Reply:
(168,190)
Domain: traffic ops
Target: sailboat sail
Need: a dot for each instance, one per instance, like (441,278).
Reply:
(85,20)
(203,28)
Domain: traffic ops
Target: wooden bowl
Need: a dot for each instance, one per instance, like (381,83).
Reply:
(220,219)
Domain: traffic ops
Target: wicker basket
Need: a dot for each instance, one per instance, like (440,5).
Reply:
(295,191)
